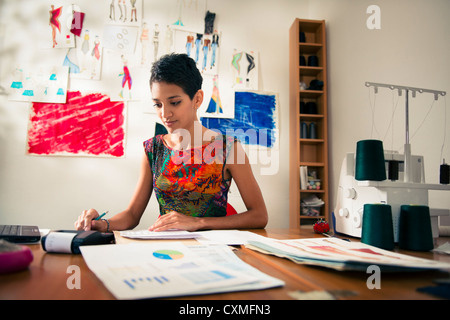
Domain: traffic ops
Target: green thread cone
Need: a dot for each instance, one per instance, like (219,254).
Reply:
(415,231)
(377,227)
(370,161)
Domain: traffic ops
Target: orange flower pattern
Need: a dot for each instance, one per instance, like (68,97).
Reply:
(191,181)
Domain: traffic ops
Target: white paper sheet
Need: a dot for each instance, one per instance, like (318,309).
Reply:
(228,237)
(150,270)
(161,235)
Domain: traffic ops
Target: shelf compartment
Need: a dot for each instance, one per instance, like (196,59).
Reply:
(311,153)
(310,94)
(310,48)
(310,71)
(312,30)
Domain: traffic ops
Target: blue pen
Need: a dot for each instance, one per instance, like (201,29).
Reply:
(101,216)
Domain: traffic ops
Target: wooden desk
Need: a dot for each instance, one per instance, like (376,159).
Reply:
(47,276)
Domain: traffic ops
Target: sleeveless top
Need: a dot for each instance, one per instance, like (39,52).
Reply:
(192,181)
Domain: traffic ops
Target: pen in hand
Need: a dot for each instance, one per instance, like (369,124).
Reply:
(101,216)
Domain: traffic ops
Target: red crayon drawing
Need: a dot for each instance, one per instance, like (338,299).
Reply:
(85,125)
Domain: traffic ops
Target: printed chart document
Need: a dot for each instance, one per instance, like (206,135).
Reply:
(154,270)
(342,255)
(224,256)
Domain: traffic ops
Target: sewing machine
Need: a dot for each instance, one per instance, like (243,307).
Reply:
(353,194)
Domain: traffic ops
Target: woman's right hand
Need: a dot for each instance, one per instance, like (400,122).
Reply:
(86,221)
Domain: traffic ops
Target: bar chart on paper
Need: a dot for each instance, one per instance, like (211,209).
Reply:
(154,281)
(134,271)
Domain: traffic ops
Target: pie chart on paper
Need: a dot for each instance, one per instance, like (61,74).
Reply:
(168,254)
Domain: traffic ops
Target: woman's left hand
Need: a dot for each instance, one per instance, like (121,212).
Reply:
(175,220)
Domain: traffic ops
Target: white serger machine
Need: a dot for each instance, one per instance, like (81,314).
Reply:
(353,194)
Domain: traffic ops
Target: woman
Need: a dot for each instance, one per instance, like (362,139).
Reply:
(190,168)
(54,22)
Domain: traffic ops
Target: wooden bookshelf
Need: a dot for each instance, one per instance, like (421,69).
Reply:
(308,38)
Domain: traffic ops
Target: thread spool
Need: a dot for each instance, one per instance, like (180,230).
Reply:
(302,37)
(313,61)
(316,85)
(377,226)
(370,161)
(311,107)
(393,170)
(415,231)
(303,130)
(302,61)
(312,131)
(444,173)
(303,107)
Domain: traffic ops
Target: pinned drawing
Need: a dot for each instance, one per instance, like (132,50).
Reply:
(214,48)
(203,48)
(60,22)
(120,38)
(179,21)
(215,105)
(244,69)
(255,122)
(85,61)
(189,43)
(54,22)
(127,13)
(77,23)
(127,81)
(155,42)
(87,125)
(144,43)
(218,98)
(39,84)
(168,39)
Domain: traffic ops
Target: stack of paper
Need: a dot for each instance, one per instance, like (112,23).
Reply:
(312,201)
(145,234)
(155,269)
(228,237)
(342,255)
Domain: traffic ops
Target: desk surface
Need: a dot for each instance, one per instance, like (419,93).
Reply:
(47,276)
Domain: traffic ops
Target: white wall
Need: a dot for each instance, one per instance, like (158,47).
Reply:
(52,191)
(412,48)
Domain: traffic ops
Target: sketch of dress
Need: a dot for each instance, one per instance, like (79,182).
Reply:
(155,43)
(168,39)
(85,45)
(189,44)
(214,46)
(71,61)
(54,22)
(96,50)
(144,41)
(126,77)
(198,43)
(215,105)
(206,48)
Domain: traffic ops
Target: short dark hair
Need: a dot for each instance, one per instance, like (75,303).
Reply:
(179,69)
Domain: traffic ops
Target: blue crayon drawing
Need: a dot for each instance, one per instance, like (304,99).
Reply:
(254,122)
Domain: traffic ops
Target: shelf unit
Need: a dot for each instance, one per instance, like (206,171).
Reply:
(307,38)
